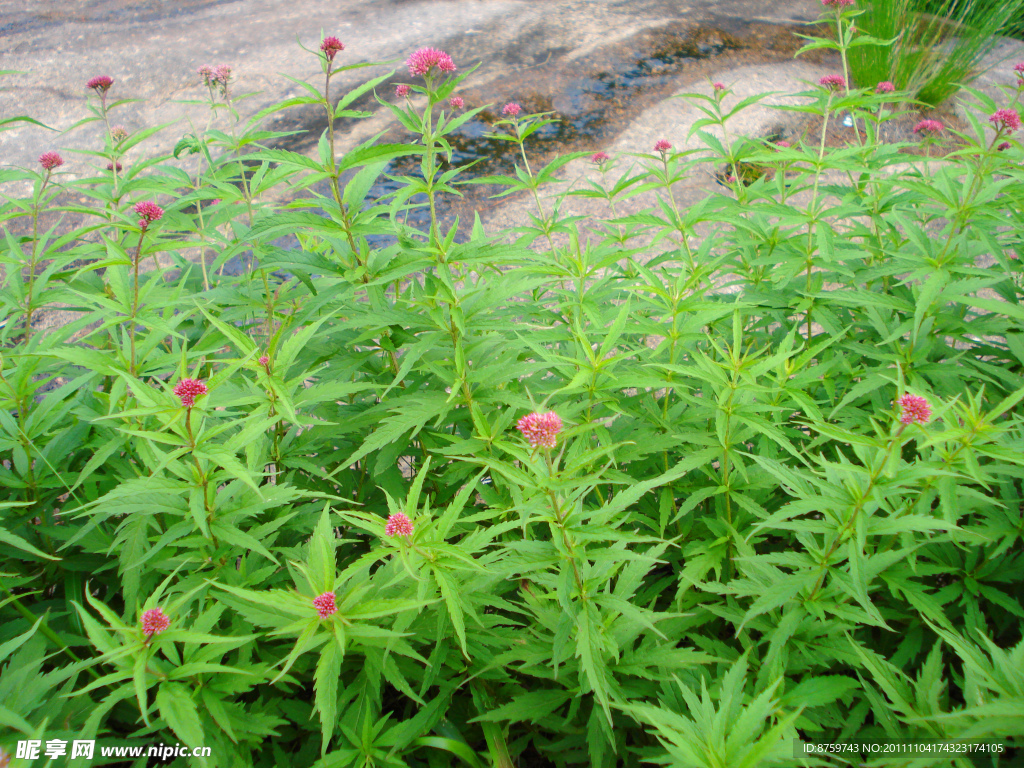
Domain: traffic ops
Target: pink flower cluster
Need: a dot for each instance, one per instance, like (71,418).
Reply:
(540,428)
(425,59)
(188,390)
(212,76)
(836,3)
(331,46)
(1005,119)
(110,166)
(833,82)
(149,212)
(264,360)
(718,87)
(1019,69)
(599,157)
(398,525)
(50,160)
(928,126)
(783,144)
(511,109)
(154,622)
(118,133)
(325,605)
(456,102)
(662,146)
(914,409)
(885,87)
(401,90)
(101,84)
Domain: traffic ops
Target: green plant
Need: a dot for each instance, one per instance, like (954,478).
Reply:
(931,55)
(519,498)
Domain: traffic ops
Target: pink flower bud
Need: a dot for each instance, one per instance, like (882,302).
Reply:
(662,146)
(540,428)
(456,102)
(50,160)
(915,409)
(188,390)
(511,109)
(101,83)
(398,525)
(425,59)
(149,212)
(1005,118)
(154,622)
(331,46)
(928,126)
(325,605)
(833,82)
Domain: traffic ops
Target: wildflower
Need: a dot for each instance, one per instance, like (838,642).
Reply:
(206,72)
(914,409)
(325,605)
(1004,145)
(730,178)
(264,360)
(783,144)
(540,428)
(1005,118)
(402,90)
(1019,69)
(50,160)
(833,80)
(331,47)
(885,87)
(118,133)
(456,102)
(836,3)
(929,126)
(149,212)
(398,525)
(154,622)
(221,74)
(215,201)
(188,390)
(512,109)
(718,86)
(101,83)
(662,146)
(425,59)
(599,157)
(111,166)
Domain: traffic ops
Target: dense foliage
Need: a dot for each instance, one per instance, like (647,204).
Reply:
(403,498)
